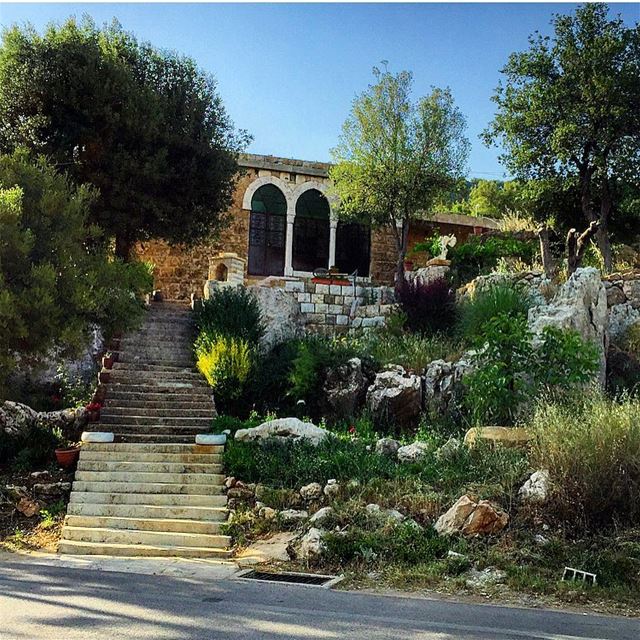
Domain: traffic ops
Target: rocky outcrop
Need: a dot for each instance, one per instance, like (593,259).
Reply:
(387,447)
(283,429)
(345,389)
(311,491)
(311,544)
(414,452)
(395,396)
(471,518)
(280,314)
(443,386)
(621,317)
(581,305)
(17,419)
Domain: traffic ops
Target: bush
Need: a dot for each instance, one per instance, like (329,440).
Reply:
(510,372)
(502,298)
(591,447)
(232,312)
(32,448)
(225,363)
(430,307)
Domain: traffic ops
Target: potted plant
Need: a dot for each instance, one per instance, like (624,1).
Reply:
(107,360)
(408,264)
(67,455)
(93,411)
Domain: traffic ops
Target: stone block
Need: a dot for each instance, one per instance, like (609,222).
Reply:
(296,286)
(356,323)
(322,288)
(342,320)
(368,322)
(307,307)
(347,290)
(317,318)
(304,297)
(335,308)
(335,289)
(339,299)
(330,319)
(348,300)
(317,298)
(321,307)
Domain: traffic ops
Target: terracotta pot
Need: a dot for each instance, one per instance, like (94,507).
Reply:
(107,362)
(68,457)
(93,416)
(104,376)
(408,265)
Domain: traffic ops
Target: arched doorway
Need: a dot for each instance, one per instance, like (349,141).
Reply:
(311,232)
(353,248)
(267,231)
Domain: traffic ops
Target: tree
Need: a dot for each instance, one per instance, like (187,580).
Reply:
(396,158)
(56,277)
(568,112)
(146,127)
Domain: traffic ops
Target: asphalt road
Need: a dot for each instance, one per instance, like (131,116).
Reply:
(40,602)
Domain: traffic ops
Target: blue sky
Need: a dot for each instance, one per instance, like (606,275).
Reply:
(288,73)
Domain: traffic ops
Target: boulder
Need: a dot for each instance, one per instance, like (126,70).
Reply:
(321,515)
(311,545)
(395,396)
(28,507)
(345,389)
(69,422)
(387,447)
(270,549)
(280,314)
(471,518)
(312,491)
(52,488)
(414,452)
(537,487)
(621,317)
(284,429)
(267,513)
(443,386)
(16,418)
(581,305)
(331,489)
(505,436)
(449,449)
(293,516)
(486,577)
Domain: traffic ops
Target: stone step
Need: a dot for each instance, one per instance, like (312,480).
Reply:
(147,467)
(128,430)
(118,376)
(153,486)
(168,421)
(158,392)
(200,479)
(165,525)
(181,449)
(140,366)
(185,406)
(148,438)
(167,458)
(166,411)
(183,360)
(126,550)
(129,536)
(202,514)
(149,499)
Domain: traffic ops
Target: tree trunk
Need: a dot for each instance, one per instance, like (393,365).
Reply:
(548,263)
(402,239)
(577,245)
(124,248)
(602,236)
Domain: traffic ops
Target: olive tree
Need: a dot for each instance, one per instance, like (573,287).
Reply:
(395,157)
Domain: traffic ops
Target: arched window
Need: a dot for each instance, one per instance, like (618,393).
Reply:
(267,230)
(311,232)
(353,248)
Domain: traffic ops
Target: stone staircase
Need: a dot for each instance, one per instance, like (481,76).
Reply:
(153,492)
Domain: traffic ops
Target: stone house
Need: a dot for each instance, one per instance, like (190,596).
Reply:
(281,225)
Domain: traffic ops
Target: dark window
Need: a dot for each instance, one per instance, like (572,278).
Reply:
(267,228)
(311,232)
(353,248)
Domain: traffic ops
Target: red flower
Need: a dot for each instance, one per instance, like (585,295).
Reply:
(352,429)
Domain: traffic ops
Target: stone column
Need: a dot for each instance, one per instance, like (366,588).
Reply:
(288,250)
(333,227)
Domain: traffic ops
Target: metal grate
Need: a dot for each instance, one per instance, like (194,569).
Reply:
(290,577)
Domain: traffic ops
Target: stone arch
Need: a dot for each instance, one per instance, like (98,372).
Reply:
(322,187)
(256,184)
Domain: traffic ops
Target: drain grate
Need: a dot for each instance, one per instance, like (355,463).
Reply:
(290,577)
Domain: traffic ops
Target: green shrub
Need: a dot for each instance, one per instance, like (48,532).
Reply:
(630,340)
(591,446)
(510,372)
(225,363)
(232,312)
(31,448)
(232,423)
(502,298)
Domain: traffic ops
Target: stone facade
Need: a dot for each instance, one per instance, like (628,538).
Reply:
(181,271)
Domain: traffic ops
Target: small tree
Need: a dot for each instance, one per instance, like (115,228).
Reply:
(568,113)
(396,158)
(144,126)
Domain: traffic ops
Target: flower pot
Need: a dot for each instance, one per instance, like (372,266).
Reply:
(107,362)
(104,376)
(93,416)
(408,265)
(67,457)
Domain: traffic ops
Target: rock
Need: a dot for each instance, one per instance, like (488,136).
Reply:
(16,493)
(293,516)
(283,428)
(229,482)
(52,488)
(28,507)
(443,387)
(449,449)
(311,545)
(485,578)
(344,389)
(16,419)
(505,436)
(615,294)
(331,489)
(373,509)
(387,447)
(40,474)
(471,518)
(621,317)
(631,289)
(69,422)
(537,487)
(280,313)
(312,491)
(394,514)
(395,396)
(243,494)
(581,305)
(321,515)
(267,513)
(541,540)
(272,549)
(414,452)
